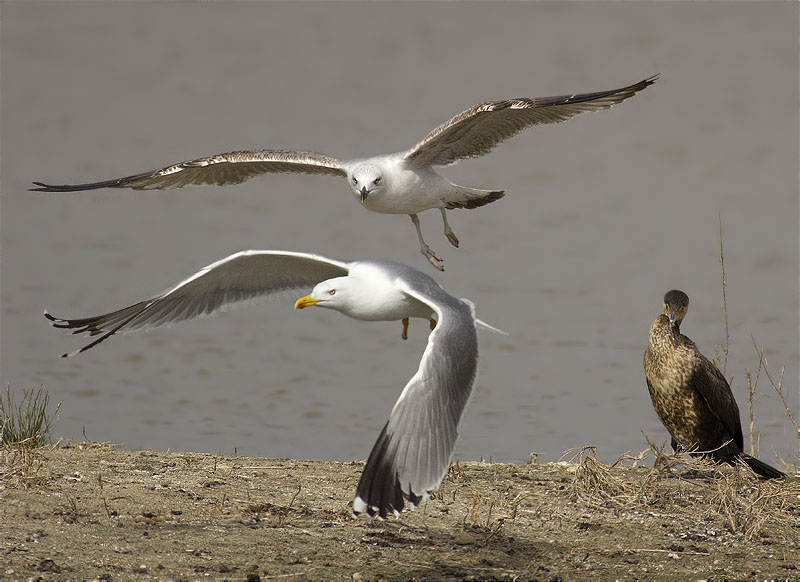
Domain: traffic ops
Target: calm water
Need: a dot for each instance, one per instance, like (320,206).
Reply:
(603,214)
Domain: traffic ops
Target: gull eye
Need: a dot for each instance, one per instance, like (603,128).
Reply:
(378,179)
(331,291)
(355,180)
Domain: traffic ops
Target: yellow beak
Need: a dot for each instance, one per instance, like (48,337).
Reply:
(304,302)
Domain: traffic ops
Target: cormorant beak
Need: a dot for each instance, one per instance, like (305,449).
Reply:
(306,301)
(364,194)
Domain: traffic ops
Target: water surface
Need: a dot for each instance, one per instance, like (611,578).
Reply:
(603,214)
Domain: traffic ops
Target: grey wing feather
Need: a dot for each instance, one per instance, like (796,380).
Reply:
(240,277)
(412,453)
(218,170)
(474,132)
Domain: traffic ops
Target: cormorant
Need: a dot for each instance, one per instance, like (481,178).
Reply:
(690,394)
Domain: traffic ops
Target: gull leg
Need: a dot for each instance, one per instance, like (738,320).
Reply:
(429,254)
(448,232)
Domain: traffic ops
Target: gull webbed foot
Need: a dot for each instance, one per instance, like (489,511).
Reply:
(434,258)
(451,236)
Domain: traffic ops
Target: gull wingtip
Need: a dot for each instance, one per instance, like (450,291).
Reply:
(42,187)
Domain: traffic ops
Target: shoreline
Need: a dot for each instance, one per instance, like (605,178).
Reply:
(90,511)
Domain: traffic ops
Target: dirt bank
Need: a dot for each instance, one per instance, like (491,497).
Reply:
(92,512)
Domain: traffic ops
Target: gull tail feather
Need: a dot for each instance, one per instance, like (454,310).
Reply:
(469,198)
(491,328)
(482,324)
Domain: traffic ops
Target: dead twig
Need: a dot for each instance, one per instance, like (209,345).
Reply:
(726,346)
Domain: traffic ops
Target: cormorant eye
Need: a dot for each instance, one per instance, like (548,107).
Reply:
(331,291)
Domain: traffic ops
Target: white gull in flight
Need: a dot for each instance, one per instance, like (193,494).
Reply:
(399,183)
(412,453)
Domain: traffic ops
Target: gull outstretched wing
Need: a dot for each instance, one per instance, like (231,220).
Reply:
(474,132)
(243,276)
(218,170)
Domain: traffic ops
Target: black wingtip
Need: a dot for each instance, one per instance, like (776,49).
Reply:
(380,493)
(56,322)
(42,187)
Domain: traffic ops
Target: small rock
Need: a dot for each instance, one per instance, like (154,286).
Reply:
(48,565)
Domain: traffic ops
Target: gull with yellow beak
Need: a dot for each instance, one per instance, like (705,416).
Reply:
(413,451)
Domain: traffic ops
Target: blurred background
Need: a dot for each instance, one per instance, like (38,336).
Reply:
(603,213)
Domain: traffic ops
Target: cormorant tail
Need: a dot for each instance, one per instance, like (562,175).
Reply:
(761,468)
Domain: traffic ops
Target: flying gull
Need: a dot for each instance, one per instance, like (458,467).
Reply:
(399,183)
(412,453)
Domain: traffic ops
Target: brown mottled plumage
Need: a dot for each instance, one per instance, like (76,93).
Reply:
(690,394)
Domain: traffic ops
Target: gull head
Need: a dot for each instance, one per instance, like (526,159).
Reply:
(368,293)
(334,294)
(366,180)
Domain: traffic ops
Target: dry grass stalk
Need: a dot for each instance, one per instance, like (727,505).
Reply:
(747,503)
(752,378)
(481,509)
(667,464)
(21,465)
(593,482)
(726,346)
(634,460)
(777,388)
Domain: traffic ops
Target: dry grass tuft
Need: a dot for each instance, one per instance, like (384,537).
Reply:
(594,483)
(668,464)
(481,509)
(747,503)
(21,465)
(24,432)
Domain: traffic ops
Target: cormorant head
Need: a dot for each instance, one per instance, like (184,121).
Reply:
(675,305)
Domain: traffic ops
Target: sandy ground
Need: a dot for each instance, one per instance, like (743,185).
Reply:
(89,511)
